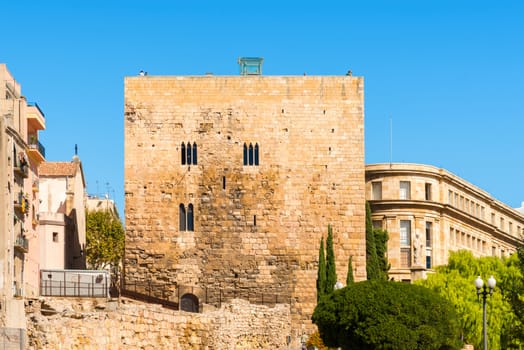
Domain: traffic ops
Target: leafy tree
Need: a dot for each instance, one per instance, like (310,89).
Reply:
(455,282)
(372,263)
(104,242)
(321,272)
(350,279)
(378,314)
(331,270)
(515,296)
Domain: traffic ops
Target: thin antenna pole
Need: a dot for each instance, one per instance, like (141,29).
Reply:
(390,140)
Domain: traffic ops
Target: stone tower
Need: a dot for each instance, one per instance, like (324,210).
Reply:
(231,181)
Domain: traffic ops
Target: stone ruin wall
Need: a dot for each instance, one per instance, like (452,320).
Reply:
(310,131)
(55,323)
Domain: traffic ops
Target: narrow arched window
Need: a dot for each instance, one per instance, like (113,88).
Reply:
(250,154)
(183,152)
(195,153)
(182,217)
(256,153)
(190,222)
(223,182)
(245,154)
(188,153)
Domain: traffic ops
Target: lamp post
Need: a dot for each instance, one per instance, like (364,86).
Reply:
(485,290)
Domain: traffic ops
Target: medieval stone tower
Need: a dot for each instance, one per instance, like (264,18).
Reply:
(231,181)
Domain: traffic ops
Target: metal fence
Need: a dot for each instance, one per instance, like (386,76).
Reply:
(75,283)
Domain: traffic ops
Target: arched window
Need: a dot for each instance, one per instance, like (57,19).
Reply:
(190,226)
(183,152)
(256,153)
(189,302)
(195,153)
(245,154)
(189,153)
(250,154)
(182,217)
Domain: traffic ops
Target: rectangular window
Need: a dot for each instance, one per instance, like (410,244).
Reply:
(428,260)
(405,233)
(377,190)
(467,205)
(493,218)
(405,190)
(456,200)
(55,236)
(461,203)
(428,191)
(510,227)
(429,227)
(405,257)
(501,224)
(494,251)
(482,213)
(450,197)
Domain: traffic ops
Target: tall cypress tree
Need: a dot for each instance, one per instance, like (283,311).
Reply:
(321,273)
(350,279)
(331,270)
(372,264)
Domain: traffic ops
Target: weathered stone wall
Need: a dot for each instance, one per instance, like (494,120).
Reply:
(54,323)
(257,228)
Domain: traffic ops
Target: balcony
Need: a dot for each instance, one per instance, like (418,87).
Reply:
(35,116)
(20,165)
(22,244)
(35,149)
(22,203)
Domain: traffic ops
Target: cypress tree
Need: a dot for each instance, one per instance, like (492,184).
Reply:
(372,264)
(331,270)
(381,244)
(350,279)
(321,273)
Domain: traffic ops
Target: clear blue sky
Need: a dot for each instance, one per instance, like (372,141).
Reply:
(449,74)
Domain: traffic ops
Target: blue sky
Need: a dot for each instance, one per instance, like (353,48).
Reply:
(448,75)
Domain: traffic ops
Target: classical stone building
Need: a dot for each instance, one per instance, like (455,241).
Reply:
(231,181)
(429,212)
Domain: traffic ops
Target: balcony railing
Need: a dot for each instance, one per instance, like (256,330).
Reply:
(36,145)
(22,243)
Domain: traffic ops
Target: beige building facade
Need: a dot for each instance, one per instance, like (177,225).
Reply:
(430,212)
(62,215)
(20,156)
(230,183)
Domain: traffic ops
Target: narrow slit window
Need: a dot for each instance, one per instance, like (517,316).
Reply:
(250,154)
(223,182)
(182,217)
(183,152)
(190,221)
(245,154)
(195,153)
(254,220)
(256,154)
(188,153)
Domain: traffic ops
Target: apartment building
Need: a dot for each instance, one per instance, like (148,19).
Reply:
(430,212)
(21,154)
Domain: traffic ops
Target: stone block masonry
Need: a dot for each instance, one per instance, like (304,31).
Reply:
(90,324)
(219,225)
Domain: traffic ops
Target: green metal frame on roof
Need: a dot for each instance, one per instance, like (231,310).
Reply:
(250,65)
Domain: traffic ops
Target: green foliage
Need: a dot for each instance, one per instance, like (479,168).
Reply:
(381,246)
(350,278)
(455,282)
(515,296)
(378,314)
(372,263)
(104,240)
(321,272)
(331,270)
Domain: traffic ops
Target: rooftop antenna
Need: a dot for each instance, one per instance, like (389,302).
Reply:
(390,141)
(76,149)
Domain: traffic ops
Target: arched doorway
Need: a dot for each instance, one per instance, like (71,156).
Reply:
(189,302)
